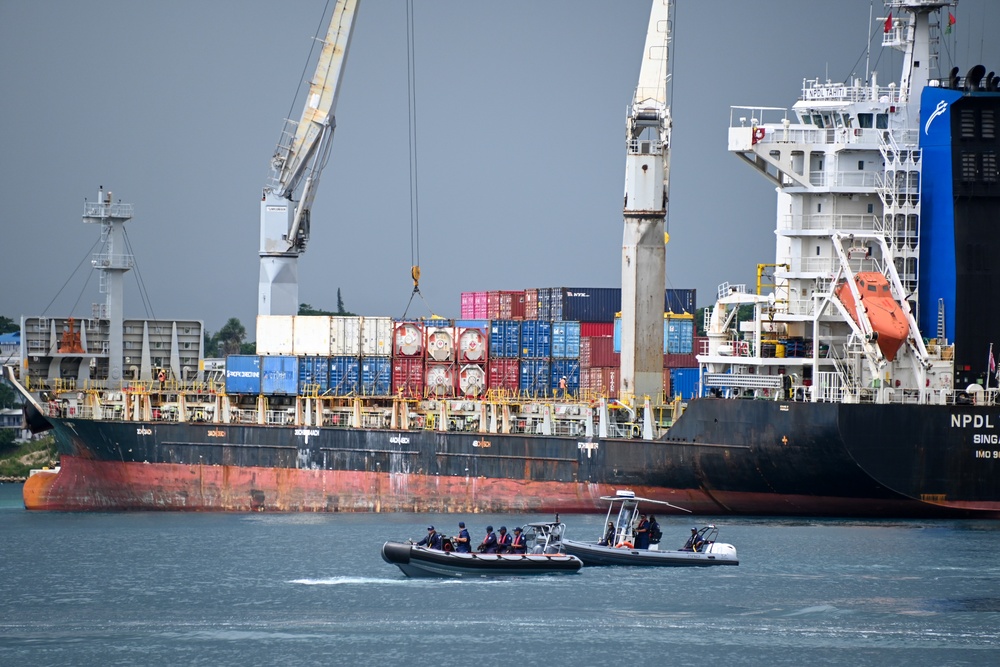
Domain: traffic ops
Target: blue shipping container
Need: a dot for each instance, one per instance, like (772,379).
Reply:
(679,336)
(565,340)
(568,368)
(314,373)
(376,376)
(587,304)
(535,377)
(536,339)
(680,301)
(472,324)
(279,375)
(505,339)
(545,303)
(684,381)
(344,375)
(242,374)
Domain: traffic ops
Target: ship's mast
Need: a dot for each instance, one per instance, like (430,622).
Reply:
(298,160)
(646,187)
(112,263)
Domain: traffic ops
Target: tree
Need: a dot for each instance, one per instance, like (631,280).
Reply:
(7,437)
(8,397)
(340,303)
(8,325)
(231,337)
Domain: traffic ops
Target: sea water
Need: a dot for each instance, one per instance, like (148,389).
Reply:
(312,589)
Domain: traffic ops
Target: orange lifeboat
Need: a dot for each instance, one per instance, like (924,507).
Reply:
(884,313)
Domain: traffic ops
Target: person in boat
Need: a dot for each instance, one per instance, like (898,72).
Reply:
(654,530)
(503,541)
(609,536)
(517,544)
(694,542)
(489,543)
(463,541)
(434,540)
(642,533)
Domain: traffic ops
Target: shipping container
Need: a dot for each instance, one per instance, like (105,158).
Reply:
(597,329)
(680,360)
(565,340)
(473,342)
(408,377)
(345,336)
(279,375)
(565,368)
(468,308)
(408,339)
(536,339)
(505,339)
(345,375)
(679,334)
(376,375)
(684,382)
(275,334)
(440,342)
(505,305)
(314,375)
(311,335)
(472,380)
(504,375)
(242,374)
(680,301)
(531,304)
(598,351)
(545,298)
(599,382)
(376,336)
(586,304)
(535,377)
(440,380)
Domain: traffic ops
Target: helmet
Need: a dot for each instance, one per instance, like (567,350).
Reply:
(489,529)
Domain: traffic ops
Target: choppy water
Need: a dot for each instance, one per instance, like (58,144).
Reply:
(266,589)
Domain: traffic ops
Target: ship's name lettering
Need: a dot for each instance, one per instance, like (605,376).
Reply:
(306,431)
(975,421)
(399,440)
(987,454)
(482,443)
(144,431)
(217,434)
(985,439)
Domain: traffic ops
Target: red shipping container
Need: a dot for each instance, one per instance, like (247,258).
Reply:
(597,351)
(666,385)
(408,377)
(594,328)
(531,304)
(680,361)
(504,374)
(504,305)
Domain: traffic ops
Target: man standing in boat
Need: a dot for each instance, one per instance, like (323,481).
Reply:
(463,541)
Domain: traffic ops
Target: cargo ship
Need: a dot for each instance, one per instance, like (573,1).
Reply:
(808,401)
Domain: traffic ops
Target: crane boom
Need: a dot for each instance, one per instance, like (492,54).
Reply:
(646,186)
(296,167)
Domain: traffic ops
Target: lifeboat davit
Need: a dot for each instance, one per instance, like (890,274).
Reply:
(884,313)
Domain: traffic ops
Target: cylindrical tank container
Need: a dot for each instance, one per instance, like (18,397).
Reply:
(275,334)
(440,342)
(472,380)
(408,377)
(531,304)
(598,351)
(504,374)
(535,377)
(408,339)
(505,339)
(345,336)
(279,375)
(440,379)
(565,368)
(684,381)
(376,375)
(536,339)
(345,373)
(314,374)
(473,342)
(242,374)
(376,336)
(311,335)
(565,340)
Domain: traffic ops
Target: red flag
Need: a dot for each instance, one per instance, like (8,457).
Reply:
(888,23)
(951,22)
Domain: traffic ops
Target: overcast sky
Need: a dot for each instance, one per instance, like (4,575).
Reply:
(176,107)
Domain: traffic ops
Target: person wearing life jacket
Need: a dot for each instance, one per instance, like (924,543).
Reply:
(609,536)
(654,530)
(694,542)
(642,533)
(489,543)
(517,544)
(463,542)
(503,541)
(433,539)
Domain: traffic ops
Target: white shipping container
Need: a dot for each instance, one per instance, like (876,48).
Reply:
(376,336)
(345,336)
(275,334)
(312,335)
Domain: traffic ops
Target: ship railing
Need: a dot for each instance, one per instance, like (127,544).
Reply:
(845,222)
(816,90)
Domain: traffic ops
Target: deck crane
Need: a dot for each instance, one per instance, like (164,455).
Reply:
(646,186)
(296,167)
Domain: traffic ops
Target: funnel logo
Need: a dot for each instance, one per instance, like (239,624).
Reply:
(941,107)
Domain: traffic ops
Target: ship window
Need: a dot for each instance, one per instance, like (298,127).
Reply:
(817,120)
(861,165)
(806,119)
(838,119)
(819,207)
(882,121)
(864,120)
(871,208)
(817,251)
(827,120)
(872,288)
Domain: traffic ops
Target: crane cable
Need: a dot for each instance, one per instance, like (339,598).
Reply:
(411,90)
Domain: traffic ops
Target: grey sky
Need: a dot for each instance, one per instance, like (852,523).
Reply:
(176,107)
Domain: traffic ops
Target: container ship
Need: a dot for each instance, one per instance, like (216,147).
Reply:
(856,378)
